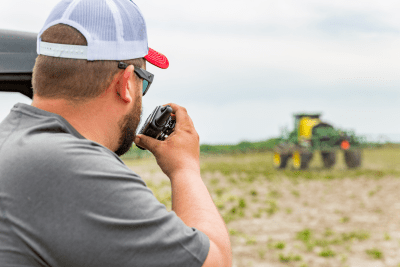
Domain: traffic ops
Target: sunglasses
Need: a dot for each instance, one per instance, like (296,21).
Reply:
(143,74)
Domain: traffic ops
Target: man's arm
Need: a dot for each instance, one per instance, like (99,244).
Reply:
(193,204)
(178,156)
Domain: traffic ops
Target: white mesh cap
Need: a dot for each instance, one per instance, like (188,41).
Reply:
(114,30)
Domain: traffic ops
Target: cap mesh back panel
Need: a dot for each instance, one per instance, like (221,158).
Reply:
(58,11)
(105,30)
(130,16)
(114,29)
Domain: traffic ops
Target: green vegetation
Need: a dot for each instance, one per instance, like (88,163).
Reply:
(344,219)
(327,253)
(253,193)
(280,245)
(374,253)
(289,258)
(261,253)
(328,232)
(387,237)
(274,194)
(376,190)
(233,232)
(237,211)
(136,153)
(271,208)
(304,235)
(328,238)
(295,193)
(355,235)
(242,147)
(255,166)
(251,241)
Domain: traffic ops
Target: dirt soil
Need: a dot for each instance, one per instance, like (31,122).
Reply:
(286,221)
(343,206)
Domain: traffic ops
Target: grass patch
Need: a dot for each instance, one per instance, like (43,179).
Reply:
(376,190)
(374,253)
(387,237)
(280,245)
(289,257)
(261,253)
(274,194)
(234,232)
(327,253)
(255,165)
(328,238)
(251,241)
(358,235)
(242,203)
(235,212)
(296,193)
(344,219)
(328,232)
(304,235)
(253,193)
(272,207)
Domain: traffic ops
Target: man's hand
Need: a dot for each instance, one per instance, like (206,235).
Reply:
(181,150)
(179,158)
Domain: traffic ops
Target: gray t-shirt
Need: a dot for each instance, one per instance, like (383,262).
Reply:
(68,201)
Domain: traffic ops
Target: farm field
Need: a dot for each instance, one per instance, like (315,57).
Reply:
(316,217)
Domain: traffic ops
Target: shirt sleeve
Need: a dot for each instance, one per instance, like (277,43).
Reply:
(92,210)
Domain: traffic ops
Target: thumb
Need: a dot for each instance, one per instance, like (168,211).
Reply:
(147,142)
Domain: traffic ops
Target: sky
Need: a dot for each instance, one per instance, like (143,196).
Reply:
(242,69)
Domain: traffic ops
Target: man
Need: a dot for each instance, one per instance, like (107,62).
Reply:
(66,199)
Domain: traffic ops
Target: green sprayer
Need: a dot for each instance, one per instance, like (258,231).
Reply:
(310,134)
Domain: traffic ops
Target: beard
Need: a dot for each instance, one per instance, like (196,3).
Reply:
(128,125)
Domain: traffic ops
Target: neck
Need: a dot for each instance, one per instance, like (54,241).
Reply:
(93,119)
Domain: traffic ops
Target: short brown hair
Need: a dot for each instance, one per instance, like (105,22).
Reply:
(73,79)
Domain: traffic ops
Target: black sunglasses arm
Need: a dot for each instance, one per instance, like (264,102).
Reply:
(140,72)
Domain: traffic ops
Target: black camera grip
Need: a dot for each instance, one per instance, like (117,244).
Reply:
(159,124)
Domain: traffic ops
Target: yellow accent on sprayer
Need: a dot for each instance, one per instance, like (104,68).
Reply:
(277,159)
(296,160)
(305,127)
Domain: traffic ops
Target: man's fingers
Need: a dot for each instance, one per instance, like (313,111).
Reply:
(147,142)
(182,118)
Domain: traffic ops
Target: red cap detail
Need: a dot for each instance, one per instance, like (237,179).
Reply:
(157,59)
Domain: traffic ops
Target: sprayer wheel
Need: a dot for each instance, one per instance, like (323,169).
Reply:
(329,159)
(353,158)
(301,160)
(280,160)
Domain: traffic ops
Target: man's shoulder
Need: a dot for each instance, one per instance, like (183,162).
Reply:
(58,151)
(64,148)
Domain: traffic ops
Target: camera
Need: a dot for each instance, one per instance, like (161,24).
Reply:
(159,124)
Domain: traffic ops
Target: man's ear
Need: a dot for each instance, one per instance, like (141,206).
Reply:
(124,86)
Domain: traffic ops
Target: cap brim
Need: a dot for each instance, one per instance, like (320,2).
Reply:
(157,59)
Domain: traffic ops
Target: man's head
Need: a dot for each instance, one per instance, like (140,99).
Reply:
(79,49)
(77,80)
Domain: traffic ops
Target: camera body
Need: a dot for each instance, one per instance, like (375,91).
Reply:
(159,124)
